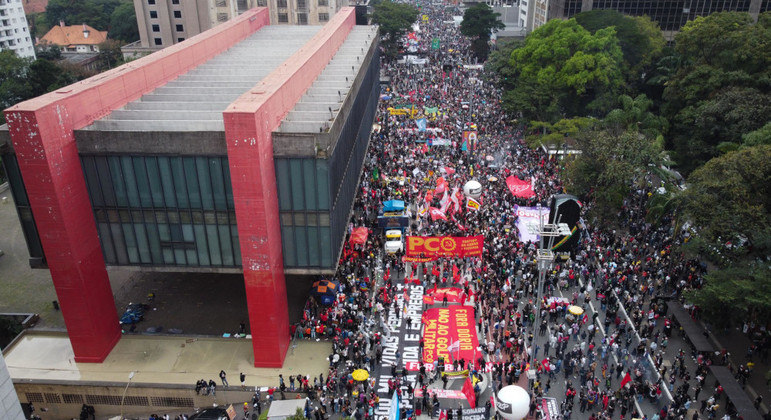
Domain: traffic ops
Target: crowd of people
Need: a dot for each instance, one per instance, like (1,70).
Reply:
(611,358)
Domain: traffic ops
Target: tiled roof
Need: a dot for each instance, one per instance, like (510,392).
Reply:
(34,6)
(73,35)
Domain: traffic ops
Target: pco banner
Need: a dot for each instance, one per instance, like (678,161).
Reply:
(444,246)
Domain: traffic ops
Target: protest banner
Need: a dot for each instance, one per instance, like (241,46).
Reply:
(444,326)
(528,223)
(444,246)
(520,188)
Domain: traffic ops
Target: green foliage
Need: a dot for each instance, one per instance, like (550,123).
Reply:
(739,292)
(562,70)
(110,55)
(729,202)
(299,414)
(556,134)
(635,114)
(394,20)
(720,89)
(498,63)
(609,164)
(23,78)
(758,137)
(95,13)
(479,22)
(13,80)
(123,23)
(641,39)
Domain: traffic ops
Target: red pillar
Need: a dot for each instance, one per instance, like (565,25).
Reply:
(253,177)
(48,158)
(249,122)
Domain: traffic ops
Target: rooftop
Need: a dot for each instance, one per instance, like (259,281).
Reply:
(74,35)
(318,108)
(195,100)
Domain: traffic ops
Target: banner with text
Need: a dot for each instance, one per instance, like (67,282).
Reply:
(449,333)
(528,223)
(444,246)
(520,188)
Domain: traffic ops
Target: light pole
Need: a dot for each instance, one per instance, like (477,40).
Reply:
(544,259)
(123,397)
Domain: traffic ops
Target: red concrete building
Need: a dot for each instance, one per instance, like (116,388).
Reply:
(237,150)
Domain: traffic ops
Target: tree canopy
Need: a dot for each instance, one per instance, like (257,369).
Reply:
(394,20)
(479,22)
(563,70)
(123,24)
(720,89)
(641,39)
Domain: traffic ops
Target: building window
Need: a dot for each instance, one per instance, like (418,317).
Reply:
(281,3)
(323,17)
(262,3)
(323,2)
(174,1)
(302,18)
(156,28)
(180,39)
(222,17)
(150,1)
(153,14)
(178,14)
(180,28)
(158,41)
(283,18)
(302,5)
(221,3)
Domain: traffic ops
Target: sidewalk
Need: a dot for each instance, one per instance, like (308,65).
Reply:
(159,360)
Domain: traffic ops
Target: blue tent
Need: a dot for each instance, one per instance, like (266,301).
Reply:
(393,205)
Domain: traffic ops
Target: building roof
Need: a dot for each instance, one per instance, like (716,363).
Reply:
(74,35)
(34,6)
(196,100)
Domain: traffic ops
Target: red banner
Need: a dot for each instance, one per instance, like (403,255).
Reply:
(444,246)
(359,236)
(454,294)
(520,188)
(449,333)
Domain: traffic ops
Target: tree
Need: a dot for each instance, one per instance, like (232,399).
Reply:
(394,20)
(720,90)
(479,22)
(728,200)
(110,55)
(737,293)
(123,23)
(562,71)
(635,114)
(13,80)
(556,134)
(641,39)
(609,164)
(95,13)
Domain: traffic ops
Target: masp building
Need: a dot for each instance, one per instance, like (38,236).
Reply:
(237,150)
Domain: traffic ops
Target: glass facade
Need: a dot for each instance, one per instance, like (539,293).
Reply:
(28,227)
(316,195)
(164,210)
(671,15)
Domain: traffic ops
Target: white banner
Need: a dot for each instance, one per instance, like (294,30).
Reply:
(527,222)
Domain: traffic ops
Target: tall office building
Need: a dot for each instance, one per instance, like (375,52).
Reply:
(670,15)
(14,32)
(165,22)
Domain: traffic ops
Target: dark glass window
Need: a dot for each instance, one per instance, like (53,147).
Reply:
(153,14)
(177,14)
(180,28)
(158,41)
(161,210)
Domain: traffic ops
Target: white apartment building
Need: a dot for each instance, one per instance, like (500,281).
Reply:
(14,32)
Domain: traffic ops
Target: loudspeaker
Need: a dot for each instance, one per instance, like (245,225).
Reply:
(565,208)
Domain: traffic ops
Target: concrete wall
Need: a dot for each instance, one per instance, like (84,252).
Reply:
(42,133)
(64,400)
(9,401)
(249,122)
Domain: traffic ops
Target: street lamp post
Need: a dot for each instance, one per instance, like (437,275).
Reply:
(544,259)
(123,397)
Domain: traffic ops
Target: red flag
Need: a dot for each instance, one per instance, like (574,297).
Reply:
(448,170)
(626,380)
(436,213)
(520,188)
(442,415)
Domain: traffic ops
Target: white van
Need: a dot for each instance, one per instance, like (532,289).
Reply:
(392,247)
